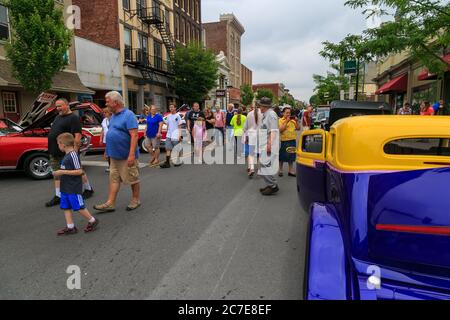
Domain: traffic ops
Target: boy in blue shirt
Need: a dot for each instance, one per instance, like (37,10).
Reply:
(72,186)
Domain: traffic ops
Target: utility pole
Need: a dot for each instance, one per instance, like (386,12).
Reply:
(357,79)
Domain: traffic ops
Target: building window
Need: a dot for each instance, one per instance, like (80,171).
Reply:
(141,6)
(9,102)
(4,24)
(128,43)
(158,59)
(177,27)
(126,4)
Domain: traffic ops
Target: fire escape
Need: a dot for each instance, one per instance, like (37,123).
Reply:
(151,67)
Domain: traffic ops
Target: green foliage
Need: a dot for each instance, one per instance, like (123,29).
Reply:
(286,99)
(328,88)
(247,95)
(39,43)
(261,93)
(196,72)
(421,27)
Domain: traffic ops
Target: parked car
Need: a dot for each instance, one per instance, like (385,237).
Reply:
(376,190)
(25,147)
(344,109)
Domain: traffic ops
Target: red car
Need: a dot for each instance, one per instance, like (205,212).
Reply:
(24,147)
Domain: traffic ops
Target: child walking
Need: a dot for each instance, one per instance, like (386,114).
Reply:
(72,186)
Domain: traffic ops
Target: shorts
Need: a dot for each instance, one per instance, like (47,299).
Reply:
(119,172)
(73,202)
(153,143)
(286,156)
(170,144)
(55,162)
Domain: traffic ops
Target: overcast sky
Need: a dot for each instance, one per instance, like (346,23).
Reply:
(283,38)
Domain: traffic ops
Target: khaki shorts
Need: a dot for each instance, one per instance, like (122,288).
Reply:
(152,143)
(119,172)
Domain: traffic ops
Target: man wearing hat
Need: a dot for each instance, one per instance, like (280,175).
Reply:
(269,147)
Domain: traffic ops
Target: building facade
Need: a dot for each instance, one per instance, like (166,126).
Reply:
(187,21)
(219,96)
(247,76)
(400,79)
(225,35)
(278,89)
(135,42)
(15,101)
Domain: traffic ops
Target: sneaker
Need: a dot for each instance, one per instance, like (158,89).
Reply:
(107,170)
(91,226)
(165,165)
(270,191)
(54,202)
(66,231)
(264,189)
(88,194)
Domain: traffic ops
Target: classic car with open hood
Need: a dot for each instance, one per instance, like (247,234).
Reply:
(24,146)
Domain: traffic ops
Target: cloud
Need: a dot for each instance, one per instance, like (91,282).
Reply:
(283,38)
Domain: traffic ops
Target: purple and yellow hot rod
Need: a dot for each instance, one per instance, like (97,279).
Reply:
(378,192)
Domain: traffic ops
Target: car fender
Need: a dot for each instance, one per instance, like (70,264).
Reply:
(25,154)
(325,275)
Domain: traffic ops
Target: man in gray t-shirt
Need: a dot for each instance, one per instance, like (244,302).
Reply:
(269,137)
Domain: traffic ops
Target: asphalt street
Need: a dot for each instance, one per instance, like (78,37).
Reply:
(203,232)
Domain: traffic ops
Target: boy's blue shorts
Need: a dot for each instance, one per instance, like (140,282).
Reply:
(73,202)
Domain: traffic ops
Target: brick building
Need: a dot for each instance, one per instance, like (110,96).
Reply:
(247,75)
(225,35)
(278,89)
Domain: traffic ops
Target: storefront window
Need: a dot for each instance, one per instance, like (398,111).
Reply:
(426,93)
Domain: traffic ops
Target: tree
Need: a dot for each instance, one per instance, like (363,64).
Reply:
(286,99)
(328,88)
(261,93)
(196,72)
(39,42)
(247,95)
(420,27)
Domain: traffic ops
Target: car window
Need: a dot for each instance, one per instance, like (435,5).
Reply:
(419,147)
(312,143)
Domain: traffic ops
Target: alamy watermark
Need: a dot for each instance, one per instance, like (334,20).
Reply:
(230,150)
(73,21)
(74,280)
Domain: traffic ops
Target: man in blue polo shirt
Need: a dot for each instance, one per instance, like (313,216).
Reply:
(153,134)
(121,148)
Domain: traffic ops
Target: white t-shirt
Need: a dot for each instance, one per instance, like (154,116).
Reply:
(251,127)
(173,122)
(105,126)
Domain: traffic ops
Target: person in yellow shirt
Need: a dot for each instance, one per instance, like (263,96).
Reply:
(288,132)
(238,123)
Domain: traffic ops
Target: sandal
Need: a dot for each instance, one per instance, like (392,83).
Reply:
(280,174)
(105,207)
(133,205)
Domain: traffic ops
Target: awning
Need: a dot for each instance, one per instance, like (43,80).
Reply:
(426,75)
(62,82)
(399,84)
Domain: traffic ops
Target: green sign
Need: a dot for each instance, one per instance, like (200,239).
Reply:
(350,67)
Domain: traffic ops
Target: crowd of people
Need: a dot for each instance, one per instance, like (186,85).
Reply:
(238,128)
(425,109)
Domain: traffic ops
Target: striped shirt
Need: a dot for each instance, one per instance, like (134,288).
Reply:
(71,184)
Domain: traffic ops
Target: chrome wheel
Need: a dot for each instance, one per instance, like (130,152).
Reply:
(39,167)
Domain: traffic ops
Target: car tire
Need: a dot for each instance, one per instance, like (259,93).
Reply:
(37,166)
(142,146)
